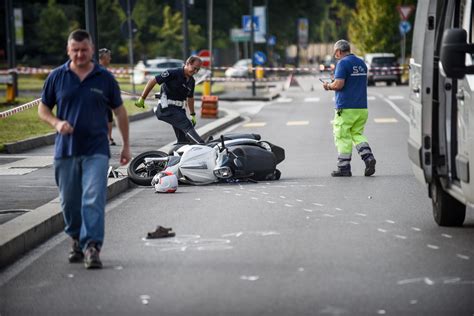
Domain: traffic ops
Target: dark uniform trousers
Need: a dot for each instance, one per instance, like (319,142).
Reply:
(182,126)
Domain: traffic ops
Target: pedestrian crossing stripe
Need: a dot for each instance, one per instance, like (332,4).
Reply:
(371,98)
(297,123)
(385,120)
(396,97)
(255,124)
(312,99)
(284,100)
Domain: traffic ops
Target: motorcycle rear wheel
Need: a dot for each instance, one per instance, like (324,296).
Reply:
(138,172)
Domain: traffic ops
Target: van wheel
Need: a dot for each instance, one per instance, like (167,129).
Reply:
(447,211)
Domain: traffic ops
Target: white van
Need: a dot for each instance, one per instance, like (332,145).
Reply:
(441,141)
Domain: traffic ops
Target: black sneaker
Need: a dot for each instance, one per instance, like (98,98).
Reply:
(75,255)
(341,173)
(92,259)
(369,167)
(112,142)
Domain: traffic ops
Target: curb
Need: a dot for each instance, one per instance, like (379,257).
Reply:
(48,139)
(27,231)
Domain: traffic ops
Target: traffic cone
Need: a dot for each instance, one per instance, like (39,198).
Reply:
(209,106)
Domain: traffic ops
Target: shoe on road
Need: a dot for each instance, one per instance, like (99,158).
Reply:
(76,255)
(92,259)
(369,167)
(341,173)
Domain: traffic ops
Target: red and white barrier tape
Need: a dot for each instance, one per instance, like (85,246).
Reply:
(19,108)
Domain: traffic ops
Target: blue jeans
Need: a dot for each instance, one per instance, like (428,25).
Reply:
(82,183)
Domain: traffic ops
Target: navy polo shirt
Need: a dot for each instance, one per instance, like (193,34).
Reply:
(354,93)
(175,85)
(84,105)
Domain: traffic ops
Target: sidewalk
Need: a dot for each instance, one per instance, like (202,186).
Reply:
(27,231)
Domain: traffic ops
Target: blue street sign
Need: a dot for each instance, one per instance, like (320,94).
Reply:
(404,27)
(259,58)
(246,23)
(272,40)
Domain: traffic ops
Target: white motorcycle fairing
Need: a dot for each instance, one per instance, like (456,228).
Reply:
(196,165)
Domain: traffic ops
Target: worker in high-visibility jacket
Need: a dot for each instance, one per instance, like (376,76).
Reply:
(351,113)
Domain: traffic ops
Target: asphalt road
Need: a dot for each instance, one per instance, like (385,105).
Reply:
(308,244)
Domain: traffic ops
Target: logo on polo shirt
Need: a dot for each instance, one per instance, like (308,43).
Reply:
(97,91)
(165,74)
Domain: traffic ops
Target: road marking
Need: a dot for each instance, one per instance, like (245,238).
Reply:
(395,107)
(370,98)
(284,100)
(462,256)
(401,237)
(383,120)
(282,196)
(416,229)
(354,223)
(271,202)
(288,205)
(432,247)
(361,214)
(446,236)
(389,221)
(250,277)
(318,204)
(428,281)
(338,209)
(396,97)
(382,230)
(297,123)
(297,200)
(312,99)
(255,124)
(16,171)
(307,210)
(328,215)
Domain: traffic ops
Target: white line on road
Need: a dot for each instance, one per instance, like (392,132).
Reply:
(446,236)
(297,123)
(383,120)
(311,99)
(382,230)
(432,247)
(416,229)
(462,256)
(396,97)
(400,237)
(284,100)
(395,107)
(255,124)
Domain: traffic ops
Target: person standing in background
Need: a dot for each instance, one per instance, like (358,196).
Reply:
(105,56)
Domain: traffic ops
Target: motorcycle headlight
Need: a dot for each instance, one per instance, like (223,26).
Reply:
(223,172)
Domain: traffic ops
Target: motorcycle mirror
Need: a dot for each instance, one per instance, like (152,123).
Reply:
(222,142)
(238,163)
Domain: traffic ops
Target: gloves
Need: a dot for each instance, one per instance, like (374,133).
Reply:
(193,119)
(140,103)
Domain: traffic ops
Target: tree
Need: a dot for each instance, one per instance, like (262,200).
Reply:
(53,30)
(374,26)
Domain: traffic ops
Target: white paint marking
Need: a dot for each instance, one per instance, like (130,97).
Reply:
(382,230)
(238,234)
(370,98)
(390,221)
(416,229)
(265,193)
(401,237)
(238,194)
(432,247)
(250,277)
(446,236)
(464,257)
(299,200)
(354,223)
(297,123)
(145,299)
(383,120)
(284,100)
(70,275)
(300,269)
(271,202)
(255,124)
(408,281)
(254,198)
(312,99)
(451,281)
(197,199)
(328,215)
(396,97)
(394,107)
(338,209)
(307,210)
(381,312)
(15,171)
(413,302)
(318,204)
(227,192)
(428,281)
(288,205)
(118,268)
(361,214)
(282,196)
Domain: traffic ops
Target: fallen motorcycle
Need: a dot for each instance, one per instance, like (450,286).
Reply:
(231,157)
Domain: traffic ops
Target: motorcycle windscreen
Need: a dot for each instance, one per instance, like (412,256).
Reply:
(257,163)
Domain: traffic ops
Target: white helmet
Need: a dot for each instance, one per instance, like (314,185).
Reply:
(165,182)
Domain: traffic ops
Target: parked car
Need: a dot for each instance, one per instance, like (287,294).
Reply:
(383,67)
(328,64)
(240,69)
(145,70)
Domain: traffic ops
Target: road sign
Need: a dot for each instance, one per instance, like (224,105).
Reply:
(272,40)
(238,35)
(404,27)
(205,56)
(259,58)
(405,11)
(246,23)
(303,32)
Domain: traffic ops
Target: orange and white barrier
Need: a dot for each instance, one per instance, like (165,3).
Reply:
(20,108)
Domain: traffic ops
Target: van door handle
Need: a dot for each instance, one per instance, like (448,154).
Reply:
(460,96)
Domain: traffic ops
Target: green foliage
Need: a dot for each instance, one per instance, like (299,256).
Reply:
(110,17)
(53,29)
(374,26)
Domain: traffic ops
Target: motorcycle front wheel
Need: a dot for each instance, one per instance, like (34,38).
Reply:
(139,173)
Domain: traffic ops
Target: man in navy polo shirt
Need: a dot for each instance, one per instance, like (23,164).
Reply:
(350,84)
(177,91)
(83,92)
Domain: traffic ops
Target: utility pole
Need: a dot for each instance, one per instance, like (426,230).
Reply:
(184,9)
(91,24)
(252,36)
(12,89)
(210,5)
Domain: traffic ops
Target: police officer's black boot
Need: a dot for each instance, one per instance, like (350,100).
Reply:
(194,137)
(368,157)
(343,166)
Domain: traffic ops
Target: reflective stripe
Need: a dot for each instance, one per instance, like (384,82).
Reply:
(177,103)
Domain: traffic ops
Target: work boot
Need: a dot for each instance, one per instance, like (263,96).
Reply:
(92,259)
(341,173)
(369,166)
(75,254)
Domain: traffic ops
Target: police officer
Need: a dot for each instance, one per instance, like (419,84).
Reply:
(350,85)
(177,91)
